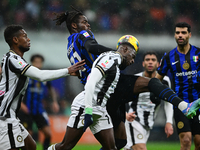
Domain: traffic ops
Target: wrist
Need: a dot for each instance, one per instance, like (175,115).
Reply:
(88,110)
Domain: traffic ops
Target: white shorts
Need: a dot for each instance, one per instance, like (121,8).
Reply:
(101,118)
(136,133)
(12,135)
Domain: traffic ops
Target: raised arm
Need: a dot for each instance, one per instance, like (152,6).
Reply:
(93,47)
(48,75)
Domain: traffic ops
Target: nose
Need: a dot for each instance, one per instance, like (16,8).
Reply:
(132,61)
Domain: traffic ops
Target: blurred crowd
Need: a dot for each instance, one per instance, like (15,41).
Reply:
(143,16)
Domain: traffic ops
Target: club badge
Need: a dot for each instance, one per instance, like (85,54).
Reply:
(19,138)
(180,125)
(186,65)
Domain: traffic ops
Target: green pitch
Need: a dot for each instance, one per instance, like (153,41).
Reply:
(150,146)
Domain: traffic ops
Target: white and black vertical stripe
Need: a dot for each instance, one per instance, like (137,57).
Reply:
(11,136)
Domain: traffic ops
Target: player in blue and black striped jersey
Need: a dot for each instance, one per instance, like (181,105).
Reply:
(183,63)
(81,42)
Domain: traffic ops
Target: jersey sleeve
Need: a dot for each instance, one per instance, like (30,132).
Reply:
(164,66)
(106,64)
(86,35)
(18,65)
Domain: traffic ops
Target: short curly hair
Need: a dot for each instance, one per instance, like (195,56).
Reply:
(10,32)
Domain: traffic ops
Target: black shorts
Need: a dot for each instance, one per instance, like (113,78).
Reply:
(183,124)
(123,94)
(27,120)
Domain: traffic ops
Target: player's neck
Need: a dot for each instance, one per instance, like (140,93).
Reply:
(17,51)
(149,75)
(184,49)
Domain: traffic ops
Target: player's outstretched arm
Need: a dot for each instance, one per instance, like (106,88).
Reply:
(48,75)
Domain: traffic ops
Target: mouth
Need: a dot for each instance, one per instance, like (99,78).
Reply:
(150,67)
(180,40)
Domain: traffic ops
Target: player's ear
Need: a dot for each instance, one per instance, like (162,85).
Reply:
(157,64)
(74,25)
(15,39)
(143,64)
(190,34)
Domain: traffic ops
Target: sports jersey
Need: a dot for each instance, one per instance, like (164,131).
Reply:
(144,108)
(13,84)
(108,64)
(34,96)
(183,68)
(76,51)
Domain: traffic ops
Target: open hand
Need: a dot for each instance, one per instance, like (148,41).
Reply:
(73,70)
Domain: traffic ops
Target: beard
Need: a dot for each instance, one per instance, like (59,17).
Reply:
(24,49)
(185,42)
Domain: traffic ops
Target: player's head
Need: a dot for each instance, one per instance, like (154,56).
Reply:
(150,62)
(182,33)
(128,47)
(16,36)
(37,60)
(75,20)
(129,40)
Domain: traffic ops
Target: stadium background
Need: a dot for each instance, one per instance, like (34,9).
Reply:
(151,22)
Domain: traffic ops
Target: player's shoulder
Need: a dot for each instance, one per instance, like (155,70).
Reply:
(109,57)
(195,47)
(86,33)
(13,55)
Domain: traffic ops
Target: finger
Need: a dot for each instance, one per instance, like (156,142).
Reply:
(80,62)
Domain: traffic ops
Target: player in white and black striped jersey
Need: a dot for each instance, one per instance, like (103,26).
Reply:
(14,80)
(89,107)
(145,109)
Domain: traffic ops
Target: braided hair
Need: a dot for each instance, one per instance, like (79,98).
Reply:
(69,17)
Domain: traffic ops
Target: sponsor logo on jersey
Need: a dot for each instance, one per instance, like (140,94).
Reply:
(189,73)
(106,62)
(86,34)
